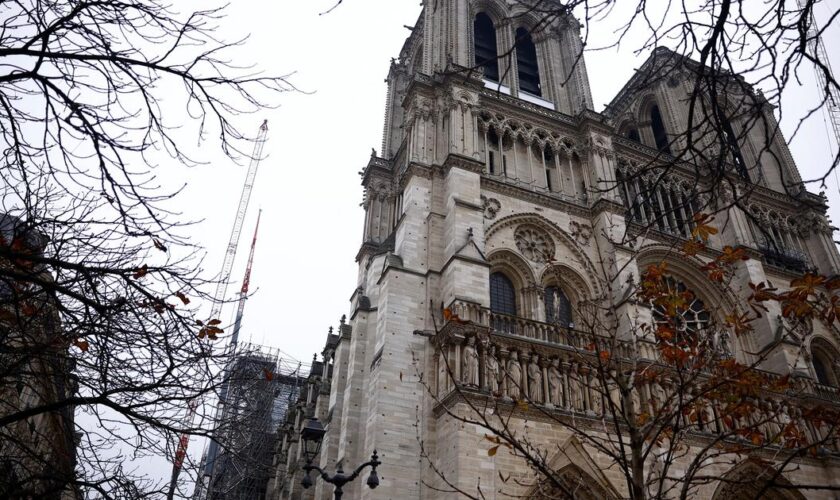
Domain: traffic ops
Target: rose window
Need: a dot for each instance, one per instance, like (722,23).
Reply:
(534,244)
(690,318)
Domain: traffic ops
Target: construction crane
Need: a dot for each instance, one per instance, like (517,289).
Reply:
(221,287)
(233,243)
(832,102)
(212,452)
(243,292)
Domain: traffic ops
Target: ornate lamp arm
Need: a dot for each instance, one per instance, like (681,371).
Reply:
(340,479)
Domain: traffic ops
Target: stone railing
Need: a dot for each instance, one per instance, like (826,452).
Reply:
(514,359)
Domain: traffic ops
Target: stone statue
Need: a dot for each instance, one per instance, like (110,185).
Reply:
(535,380)
(575,390)
(469,367)
(514,372)
(491,370)
(555,383)
(443,375)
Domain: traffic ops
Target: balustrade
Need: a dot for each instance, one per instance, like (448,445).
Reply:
(515,359)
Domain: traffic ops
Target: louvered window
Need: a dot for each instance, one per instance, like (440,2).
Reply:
(486,55)
(658,126)
(526,60)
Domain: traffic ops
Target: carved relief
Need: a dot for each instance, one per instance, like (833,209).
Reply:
(534,244)
(580,232)
(491,207)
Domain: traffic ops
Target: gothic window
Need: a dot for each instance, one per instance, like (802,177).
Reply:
(823,362)
(550,163)
(558,308)
(658,127)
(734,149)
(658,203)
(691,317)
(502,294)
(526,60)
(633,135)
(486,55)
(492,146)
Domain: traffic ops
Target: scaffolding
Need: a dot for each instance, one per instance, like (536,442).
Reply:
(262,385)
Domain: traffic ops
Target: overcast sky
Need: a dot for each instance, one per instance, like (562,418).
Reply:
(308,187)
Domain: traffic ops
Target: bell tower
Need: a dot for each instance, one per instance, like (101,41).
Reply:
(483,93)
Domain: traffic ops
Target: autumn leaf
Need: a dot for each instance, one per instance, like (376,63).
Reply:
(693,247)
(268,374)
(702,228)
(82,344)
(492,451)
(522,405)
(447,314)
(214,322)
(806,285)
(604,356)
(28,309)
(160,246)
(732,255)
(492,439)
(183,298)
(740,324)
(140,272)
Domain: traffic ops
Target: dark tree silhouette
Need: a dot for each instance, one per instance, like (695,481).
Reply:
(99,281)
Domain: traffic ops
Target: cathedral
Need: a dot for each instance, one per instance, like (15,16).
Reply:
(504,220)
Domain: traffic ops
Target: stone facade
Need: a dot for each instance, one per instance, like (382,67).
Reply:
(38,453)
(477,179)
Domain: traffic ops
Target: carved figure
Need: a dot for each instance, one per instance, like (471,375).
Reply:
(491,370)
(469,368)
(555,383)
(514,373)
(575,390)
(443,375)
(535,380)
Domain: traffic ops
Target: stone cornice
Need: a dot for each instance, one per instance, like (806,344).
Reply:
(455,160)
(528,194)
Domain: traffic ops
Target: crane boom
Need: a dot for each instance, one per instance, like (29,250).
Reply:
(243,293)
(221,288)
(832,102)
(236,231)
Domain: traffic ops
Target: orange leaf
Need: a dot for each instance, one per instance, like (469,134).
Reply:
(447,314)
(268,374)
(492,451)
(604,355)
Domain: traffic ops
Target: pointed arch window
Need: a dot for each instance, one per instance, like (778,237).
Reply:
(486,54)
(658,127)
(558,308)
(526,60)
(823,360)
(633,135)
(502,294)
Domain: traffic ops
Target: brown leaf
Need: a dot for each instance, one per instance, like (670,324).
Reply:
(140,272)
(492,451)
(214,322)
(268,374)
(160,246)
(183,298)
(82,344)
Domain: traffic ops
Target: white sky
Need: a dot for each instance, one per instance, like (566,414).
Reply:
(308,187)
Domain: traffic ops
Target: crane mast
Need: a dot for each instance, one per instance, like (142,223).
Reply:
(221,288)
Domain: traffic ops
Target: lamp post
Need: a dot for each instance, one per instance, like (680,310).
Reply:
(312,434)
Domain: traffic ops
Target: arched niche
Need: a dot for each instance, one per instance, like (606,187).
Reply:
(718,300)
(754,479)
(514,267)
(825,361)
(500,235)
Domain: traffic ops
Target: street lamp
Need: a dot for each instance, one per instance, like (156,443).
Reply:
(312,434)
